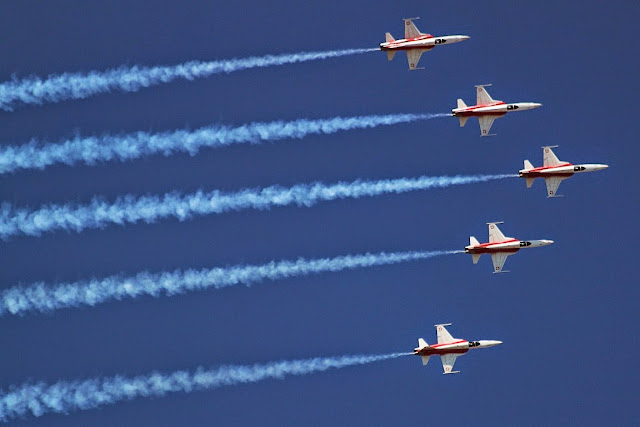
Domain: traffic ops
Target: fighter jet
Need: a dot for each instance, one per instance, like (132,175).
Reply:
(554,171)
(448,348)
(487,109)
(500,247)
(415,43)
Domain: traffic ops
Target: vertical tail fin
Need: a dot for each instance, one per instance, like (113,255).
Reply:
(389,37)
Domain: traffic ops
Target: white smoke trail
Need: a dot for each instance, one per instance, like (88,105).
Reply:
(40,297)
(92,150)
(56,88)
(149,209)
(67,396)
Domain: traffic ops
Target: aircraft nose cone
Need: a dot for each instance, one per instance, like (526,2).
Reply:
(535,105)
(548,242)
(489,343)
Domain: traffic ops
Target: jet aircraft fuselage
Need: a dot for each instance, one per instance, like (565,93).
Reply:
(510,246)
(499,108)
(424,42)
(456,347)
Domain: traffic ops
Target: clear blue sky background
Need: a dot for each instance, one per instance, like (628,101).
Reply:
(567,313)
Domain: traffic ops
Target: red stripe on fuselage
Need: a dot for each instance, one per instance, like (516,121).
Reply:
(542,168)
(471,111)
(408,47)
(436,350)
(486,248)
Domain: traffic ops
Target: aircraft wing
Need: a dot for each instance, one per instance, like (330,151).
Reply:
(482,96)
(499,259)
(485,124)
(444,337)
(495,235)
(413,57)
(553,182)
(448,360)
(410,29)
(549,158)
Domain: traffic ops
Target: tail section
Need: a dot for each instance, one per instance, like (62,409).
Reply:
(422,344)
(461,103)
(528,166)
(389,37)
(463,120)
(473,241)
(390,54)
(475,258)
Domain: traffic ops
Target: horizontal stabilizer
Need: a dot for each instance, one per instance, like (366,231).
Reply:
(475,258)
(473,241)
(390,54)
(425,360)
(422,343)
(528,165)
(452,372)
(389,37)
(461,103)
(463,120)
(529,182)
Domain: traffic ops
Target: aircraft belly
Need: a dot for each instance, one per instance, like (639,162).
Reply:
(440,352)
(510,250)
(417,47)
(475,113)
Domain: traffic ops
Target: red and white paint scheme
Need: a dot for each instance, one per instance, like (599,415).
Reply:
(487,109)
(415,43)
(448,348)
(500,247)
(554,171)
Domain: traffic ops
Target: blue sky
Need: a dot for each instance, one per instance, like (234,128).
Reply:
(566,312)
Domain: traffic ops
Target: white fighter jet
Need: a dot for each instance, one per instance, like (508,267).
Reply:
(415,43)
(500,247)
(554,171)
(448,348)
(487,109)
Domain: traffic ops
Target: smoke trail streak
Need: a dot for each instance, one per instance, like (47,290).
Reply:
(150,209)
(67,396)
(40,297)
(91,150)
(56,88)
